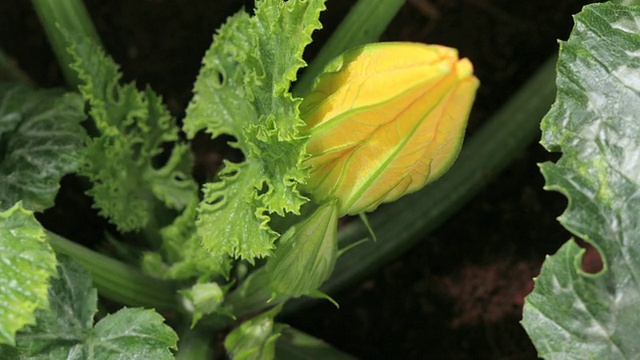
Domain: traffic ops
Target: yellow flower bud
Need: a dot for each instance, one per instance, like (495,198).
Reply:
(384,120)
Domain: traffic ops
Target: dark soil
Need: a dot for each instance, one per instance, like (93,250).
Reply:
(459,294)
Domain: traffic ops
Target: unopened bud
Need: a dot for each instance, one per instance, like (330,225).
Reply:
(384,120)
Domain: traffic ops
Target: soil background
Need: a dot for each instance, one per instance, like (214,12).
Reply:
(459,293)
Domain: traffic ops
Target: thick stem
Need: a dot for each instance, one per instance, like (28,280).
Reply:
(72,16)
(118,281)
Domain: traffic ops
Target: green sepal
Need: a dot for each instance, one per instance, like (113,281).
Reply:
(306,254)
(255,339)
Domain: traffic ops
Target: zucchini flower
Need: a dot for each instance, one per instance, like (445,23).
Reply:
(384,120)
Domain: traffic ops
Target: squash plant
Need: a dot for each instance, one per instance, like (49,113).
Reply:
(264,230)
(229,259)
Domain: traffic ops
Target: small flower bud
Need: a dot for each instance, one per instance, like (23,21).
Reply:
(384,120)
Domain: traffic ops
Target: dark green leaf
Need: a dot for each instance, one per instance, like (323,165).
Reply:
(594,122)
(41,140)
(66,331)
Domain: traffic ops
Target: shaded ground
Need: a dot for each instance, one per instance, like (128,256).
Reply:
(459,294)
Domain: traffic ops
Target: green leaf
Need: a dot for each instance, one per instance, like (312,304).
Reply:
(184,253)
(626,2)
(243,90)
(27,262)
(66,331)
(41,140)
(132,125)
(255,339)
(594,122)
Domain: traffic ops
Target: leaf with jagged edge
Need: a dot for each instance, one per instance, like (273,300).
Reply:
(183,254)
(572,314)
(243,90)
(26,264)
(41,140)
(132,125)
(66,331)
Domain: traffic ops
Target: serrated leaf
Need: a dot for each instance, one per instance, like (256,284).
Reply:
(243,90)
(132,125)
(594,122)
(66,331)
(26,264)
(227,216)
(41,140)
(184,253)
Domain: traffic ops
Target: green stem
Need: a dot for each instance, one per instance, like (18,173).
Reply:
(365,23)
(72,16)
(118,281)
